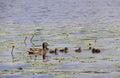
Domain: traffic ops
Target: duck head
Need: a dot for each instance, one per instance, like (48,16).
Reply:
(44,45)
(66,49)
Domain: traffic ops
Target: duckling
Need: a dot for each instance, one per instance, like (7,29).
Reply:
(65,50)
(67,34)
(59,59)
(90,46)
(90,43)
(54,51)
(78,50)
(95,50)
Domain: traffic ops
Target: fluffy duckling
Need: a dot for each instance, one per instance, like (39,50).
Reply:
(90,46)
(65,50)
(54,51)
(59,59)
(78,50)
(67,34)
(95,50)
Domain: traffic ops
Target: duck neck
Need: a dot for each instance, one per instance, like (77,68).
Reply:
(44,47)
(56,52)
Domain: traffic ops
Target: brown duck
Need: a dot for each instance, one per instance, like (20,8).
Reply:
(39,51)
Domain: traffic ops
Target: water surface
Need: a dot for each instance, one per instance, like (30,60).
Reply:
(85,20)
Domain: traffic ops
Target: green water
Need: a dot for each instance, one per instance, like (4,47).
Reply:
(84,64)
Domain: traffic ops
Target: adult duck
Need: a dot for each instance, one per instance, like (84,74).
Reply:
(39,51)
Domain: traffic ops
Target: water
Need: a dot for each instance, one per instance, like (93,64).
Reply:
(85,20)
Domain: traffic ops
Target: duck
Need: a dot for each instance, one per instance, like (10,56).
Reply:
(39,51)
(54,51)
(78,50)
(65,50)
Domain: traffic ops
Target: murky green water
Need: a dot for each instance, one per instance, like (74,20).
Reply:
(85,20)
(84,64)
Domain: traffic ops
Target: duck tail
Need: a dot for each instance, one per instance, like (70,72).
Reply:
(28,51)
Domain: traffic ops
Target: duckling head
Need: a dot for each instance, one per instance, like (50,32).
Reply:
(56,49)
(90,44)
(66,48)
(80,49)
(90,47)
